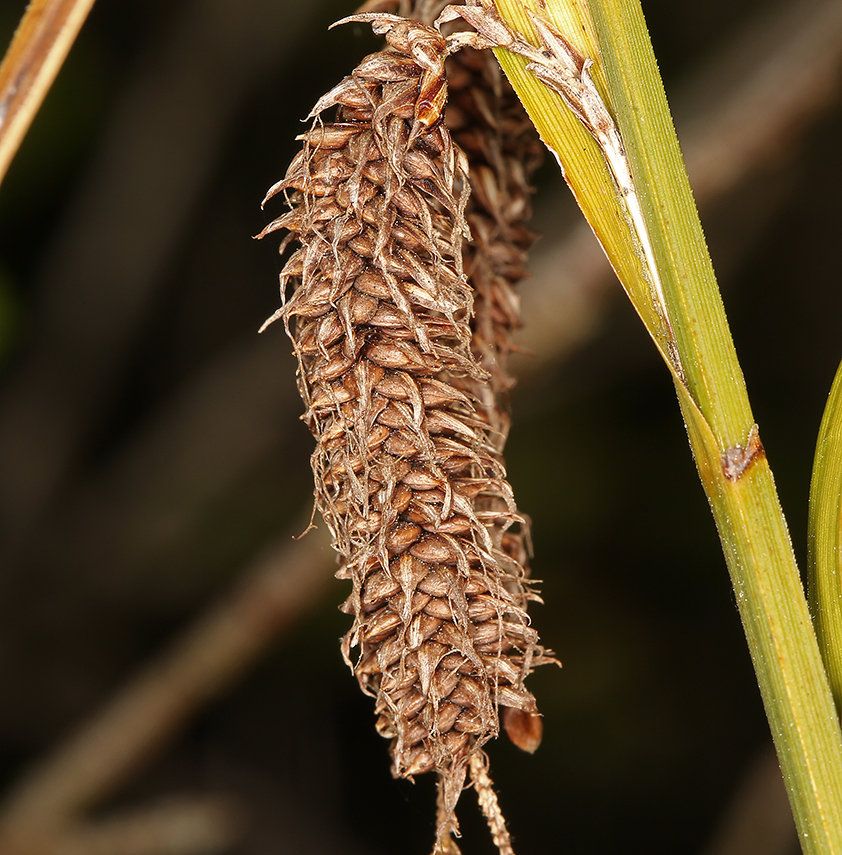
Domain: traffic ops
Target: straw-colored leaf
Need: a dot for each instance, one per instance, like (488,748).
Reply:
(37,52)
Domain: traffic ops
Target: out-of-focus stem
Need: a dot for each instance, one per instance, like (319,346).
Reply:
(156,702)
(37,52)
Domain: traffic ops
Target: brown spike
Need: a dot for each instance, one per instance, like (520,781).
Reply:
(404,389)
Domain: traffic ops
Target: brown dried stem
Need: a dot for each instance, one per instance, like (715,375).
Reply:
(488,802)
(38,50)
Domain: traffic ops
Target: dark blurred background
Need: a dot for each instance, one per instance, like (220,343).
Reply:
(151,452)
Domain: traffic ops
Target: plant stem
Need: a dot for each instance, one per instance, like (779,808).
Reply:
(709,383)
(38,50)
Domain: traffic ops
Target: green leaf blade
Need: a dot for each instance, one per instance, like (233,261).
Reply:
(825,539)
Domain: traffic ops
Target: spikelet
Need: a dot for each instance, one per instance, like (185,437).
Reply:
(408,468)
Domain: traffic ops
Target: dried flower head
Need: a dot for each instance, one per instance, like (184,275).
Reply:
(408,468)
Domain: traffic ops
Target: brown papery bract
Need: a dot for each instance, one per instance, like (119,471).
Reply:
(403,386)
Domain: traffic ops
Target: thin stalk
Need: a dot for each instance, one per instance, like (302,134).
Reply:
(693,337)
(37,52)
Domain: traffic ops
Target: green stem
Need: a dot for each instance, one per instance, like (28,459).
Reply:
(711,391)
(780,638)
